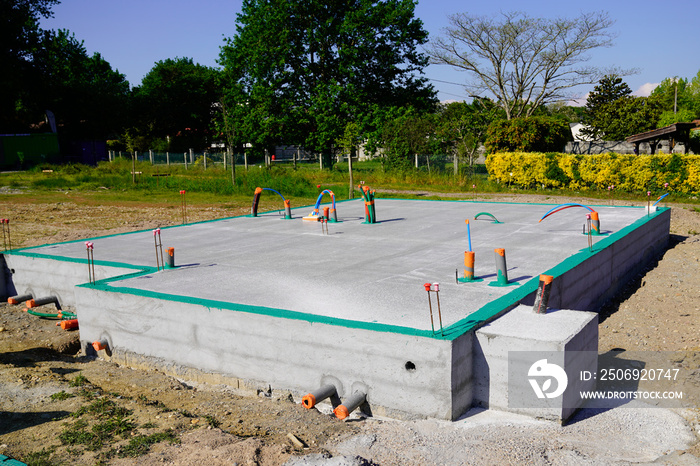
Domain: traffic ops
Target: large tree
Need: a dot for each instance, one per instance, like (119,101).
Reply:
(463,126)
(177,101)
(86,95)
(523,62)
(20,35)
(298,71)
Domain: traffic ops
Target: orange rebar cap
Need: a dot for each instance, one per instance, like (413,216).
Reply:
(12,301)
(31,303)
(501,252)
(594,215)
(308,401)
(547,279)
(341,412)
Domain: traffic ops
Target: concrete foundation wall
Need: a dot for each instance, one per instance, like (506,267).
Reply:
(590,284)
(45,277)
(288,354)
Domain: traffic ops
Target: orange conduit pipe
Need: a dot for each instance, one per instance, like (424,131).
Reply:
(355,400)
(19,299)
(469,257)
(310,400)
(100,345)
(68,324)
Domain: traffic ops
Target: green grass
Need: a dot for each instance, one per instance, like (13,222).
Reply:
(101,424)
(79,381)
(141,444)
(112,182)
(62,395)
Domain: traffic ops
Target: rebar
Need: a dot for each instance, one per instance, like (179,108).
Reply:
(430,305)
(183,206)
(436,288)
(160,262)
(91,261)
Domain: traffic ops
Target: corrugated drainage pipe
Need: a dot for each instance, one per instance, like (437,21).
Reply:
(19,299)
(310,400)
(41,301)
(355,400)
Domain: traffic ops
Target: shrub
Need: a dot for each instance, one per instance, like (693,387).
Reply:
(582,172)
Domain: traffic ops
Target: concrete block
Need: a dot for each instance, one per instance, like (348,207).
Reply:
(570,335)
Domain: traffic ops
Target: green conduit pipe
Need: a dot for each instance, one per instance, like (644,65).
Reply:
(495,220)
(45,315)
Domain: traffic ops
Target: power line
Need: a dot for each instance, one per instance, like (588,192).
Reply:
(447,82)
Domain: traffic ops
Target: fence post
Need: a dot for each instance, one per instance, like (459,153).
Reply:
(167,158)
(185,156)
(205,160)
(191,156)
(150,155)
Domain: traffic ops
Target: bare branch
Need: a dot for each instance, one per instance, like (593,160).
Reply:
(524,62)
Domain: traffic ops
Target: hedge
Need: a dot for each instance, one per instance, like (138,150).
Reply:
(627,172)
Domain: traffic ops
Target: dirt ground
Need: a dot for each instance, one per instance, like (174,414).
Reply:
(58,407)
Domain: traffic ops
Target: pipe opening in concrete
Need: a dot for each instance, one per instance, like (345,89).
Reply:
(410,366)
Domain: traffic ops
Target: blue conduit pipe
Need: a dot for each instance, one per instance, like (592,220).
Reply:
(315,215)
(256,199)
(659,199)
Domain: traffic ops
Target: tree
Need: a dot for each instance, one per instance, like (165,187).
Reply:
(177,100)
(531,134)
(462,127)
(19,37)
(405,134)
(613,114)
(87,97)
(523,62)
(301,70)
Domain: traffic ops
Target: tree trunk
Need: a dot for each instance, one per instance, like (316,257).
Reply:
(351,193)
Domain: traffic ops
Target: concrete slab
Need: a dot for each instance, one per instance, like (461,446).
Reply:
(252,295)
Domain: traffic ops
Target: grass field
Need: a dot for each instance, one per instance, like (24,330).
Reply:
(112,182)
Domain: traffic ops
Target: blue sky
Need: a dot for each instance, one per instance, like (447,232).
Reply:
(658,38)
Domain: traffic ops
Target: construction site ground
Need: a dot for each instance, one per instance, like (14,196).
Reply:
(57,407)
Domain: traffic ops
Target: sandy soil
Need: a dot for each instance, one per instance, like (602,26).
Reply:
(658,311)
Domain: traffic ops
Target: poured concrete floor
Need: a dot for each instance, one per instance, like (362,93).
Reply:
(357,272)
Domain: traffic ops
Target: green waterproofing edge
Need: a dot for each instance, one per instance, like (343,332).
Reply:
(484,314)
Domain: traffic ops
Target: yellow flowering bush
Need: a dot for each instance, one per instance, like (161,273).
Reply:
(627,172)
